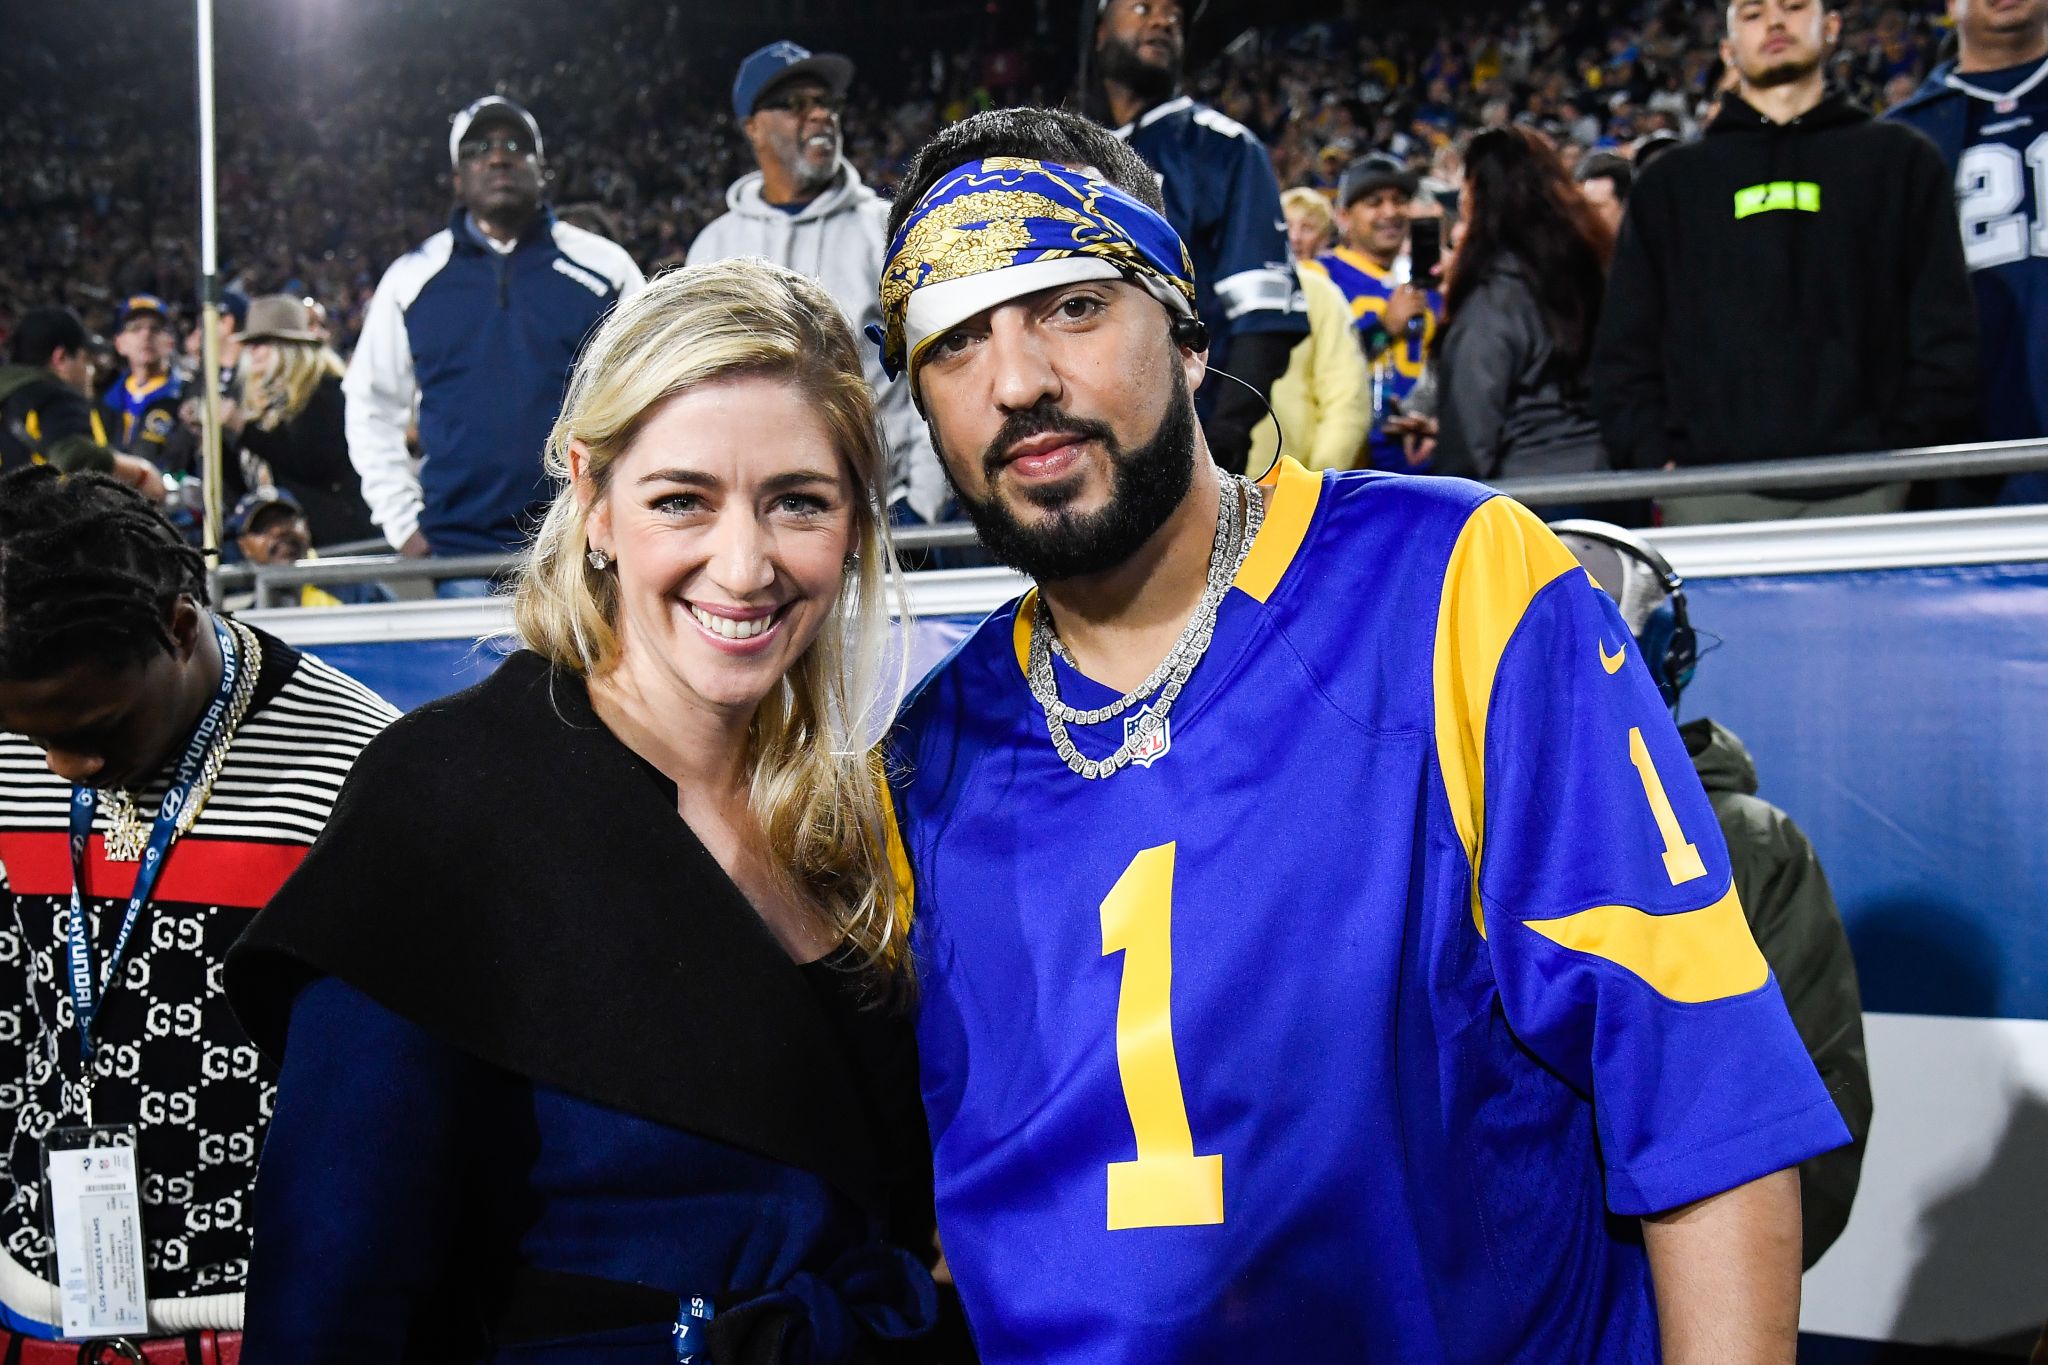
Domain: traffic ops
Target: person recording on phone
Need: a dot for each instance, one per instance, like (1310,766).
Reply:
(1384,275)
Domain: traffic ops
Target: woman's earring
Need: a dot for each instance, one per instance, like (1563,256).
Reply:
(599,560)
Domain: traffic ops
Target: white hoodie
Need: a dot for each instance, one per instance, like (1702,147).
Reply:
(838,239)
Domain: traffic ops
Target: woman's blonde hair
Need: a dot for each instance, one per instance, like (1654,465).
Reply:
(815,784)
(1312,205)
(280,393)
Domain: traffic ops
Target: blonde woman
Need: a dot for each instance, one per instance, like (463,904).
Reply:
(290,417)
(582,999)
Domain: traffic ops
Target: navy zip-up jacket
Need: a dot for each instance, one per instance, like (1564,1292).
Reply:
(476,345)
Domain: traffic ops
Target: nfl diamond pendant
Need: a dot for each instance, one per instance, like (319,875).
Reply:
(1146,736)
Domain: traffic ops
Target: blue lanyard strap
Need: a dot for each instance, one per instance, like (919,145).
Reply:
(85,1002)
(691,1330)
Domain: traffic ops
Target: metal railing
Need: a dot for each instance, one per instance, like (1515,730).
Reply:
(276,584)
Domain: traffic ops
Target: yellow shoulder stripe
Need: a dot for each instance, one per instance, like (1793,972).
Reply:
(1503,558)
(899,857)
(1290,507)
(1691,957)
(1291,504)
(1020,629)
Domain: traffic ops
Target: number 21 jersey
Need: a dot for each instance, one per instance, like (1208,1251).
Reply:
(1346,1028)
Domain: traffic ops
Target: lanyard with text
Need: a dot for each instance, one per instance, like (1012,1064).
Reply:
(85,1002)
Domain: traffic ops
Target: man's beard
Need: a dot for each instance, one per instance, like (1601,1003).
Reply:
(810,179)
(1147,485)
(1119,61)
(1784,73)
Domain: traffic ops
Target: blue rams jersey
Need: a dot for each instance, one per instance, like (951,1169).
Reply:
(1223,200)
(1368,288)
(144,413)
(1340,1030)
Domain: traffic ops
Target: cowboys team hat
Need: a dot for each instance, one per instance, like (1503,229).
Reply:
(490,111)
(772,65)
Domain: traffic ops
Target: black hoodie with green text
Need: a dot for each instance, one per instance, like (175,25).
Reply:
(1785,290)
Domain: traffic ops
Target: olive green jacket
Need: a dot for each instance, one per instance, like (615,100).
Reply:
(1792,914)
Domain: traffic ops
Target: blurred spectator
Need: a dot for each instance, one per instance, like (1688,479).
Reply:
(46,409)
(1605,180)
(291,417)
(234,314)
(1986,111)
(1828,312)
(1321,405)
(267,526)
(1221,198)
(1522,301)
(1396,318)
(806,208)
(476,329)
(1311,226)
(1778,877)
(142,404)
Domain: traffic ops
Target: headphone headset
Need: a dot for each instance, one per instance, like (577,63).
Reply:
(1191,334)
(1669,644)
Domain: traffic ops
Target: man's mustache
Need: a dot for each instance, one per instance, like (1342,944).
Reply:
(1036,421)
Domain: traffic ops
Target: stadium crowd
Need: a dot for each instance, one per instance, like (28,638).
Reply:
(323,185)
(318,192)
(1489,247)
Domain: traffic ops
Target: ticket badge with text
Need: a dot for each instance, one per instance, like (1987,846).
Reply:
(95,1218)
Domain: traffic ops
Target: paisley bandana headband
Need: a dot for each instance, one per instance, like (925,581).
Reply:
(997,229)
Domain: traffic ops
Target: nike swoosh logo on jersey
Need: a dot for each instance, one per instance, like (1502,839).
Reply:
(1611,663)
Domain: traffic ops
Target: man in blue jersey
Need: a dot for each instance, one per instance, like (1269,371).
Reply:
(1396,317)
(1223,200)
(1315,964)
(1988,113)
(142,405)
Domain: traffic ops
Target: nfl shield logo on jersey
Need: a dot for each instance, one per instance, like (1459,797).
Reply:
(1148,737)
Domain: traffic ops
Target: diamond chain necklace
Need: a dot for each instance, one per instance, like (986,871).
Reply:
(1239,514)
(129,829)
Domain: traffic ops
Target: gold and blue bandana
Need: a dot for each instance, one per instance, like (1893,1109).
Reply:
(1033,224)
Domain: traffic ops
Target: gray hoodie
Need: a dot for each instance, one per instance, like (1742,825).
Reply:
(838,239)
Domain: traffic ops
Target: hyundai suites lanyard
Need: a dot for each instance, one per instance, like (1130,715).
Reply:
(85,802)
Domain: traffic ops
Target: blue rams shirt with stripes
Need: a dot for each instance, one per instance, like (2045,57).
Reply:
(1363,1023)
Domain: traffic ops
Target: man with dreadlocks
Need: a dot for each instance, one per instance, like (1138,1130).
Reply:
(162,770)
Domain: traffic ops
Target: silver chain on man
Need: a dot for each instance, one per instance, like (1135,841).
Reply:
(1240,511)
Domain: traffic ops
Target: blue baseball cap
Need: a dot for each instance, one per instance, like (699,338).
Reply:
(256,501)
(142,303)
(776,63)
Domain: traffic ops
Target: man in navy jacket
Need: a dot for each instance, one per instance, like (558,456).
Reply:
(472,334)
(1988,113)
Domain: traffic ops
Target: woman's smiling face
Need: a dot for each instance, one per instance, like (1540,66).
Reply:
(730,518)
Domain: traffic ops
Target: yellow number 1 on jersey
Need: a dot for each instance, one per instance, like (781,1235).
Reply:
(1681,856)
(1168,1185)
